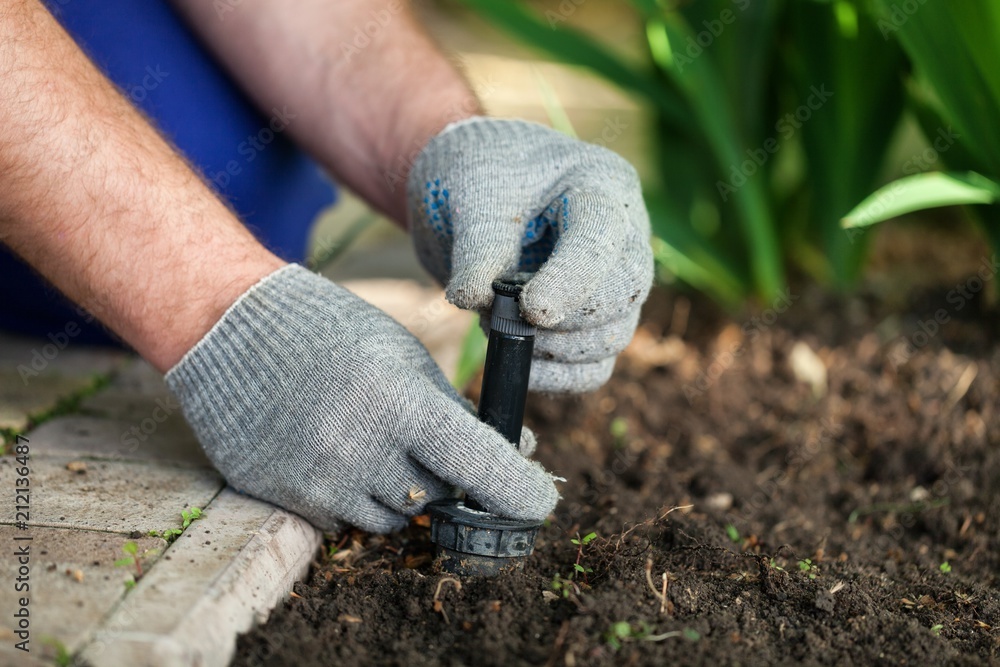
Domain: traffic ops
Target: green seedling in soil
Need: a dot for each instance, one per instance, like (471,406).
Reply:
(580,543)
(564,587)
(912,508)
(623,631)
(936,630)
(774,565)
(619,431)
(733,533)
(945,567)
(808,567)
(132,558)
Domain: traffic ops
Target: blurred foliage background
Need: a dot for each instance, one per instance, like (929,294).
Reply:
(770,136)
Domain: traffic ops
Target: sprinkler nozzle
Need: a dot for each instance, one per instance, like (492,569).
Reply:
(470,539)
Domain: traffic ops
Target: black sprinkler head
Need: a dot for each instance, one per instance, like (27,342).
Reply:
(471,540)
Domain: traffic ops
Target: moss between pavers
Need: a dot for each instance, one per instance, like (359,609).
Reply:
(63,405)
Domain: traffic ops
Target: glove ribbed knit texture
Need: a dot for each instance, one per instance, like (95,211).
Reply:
(309,397)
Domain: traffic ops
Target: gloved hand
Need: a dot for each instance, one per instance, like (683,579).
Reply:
(489,198)
(310,398)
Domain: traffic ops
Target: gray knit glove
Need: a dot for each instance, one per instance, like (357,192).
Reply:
(312,399)
(490,198)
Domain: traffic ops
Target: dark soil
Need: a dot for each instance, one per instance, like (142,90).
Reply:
(853,526)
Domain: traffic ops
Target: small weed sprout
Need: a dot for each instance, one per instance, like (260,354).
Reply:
(808,567)
(936,629)
(774,565)
(945,567)
(187,517)
(190,516)
(623,631)
(619,431)
(733,534)
(63,657)
(580,543)
(132,558)
(565,586)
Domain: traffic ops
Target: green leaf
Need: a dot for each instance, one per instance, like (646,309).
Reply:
(945,567)
(131,548)
(470,357)
(704,91)
(733,533)
(589,537)
(573,47)
(125,562)
(846,134)
(691,635)
(578,567)
(955,47)
(921,191)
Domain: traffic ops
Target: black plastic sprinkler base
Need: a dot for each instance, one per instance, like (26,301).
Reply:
(473,542)
(470,540)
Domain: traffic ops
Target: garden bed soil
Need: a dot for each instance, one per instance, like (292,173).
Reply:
(851,521)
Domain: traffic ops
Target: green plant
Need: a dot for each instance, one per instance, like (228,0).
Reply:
(733,534)
(171,534)
(581,542)
(954,47)
(945,567)
(623,631)
(470,357)
(189,516)
(808,567)
(133,559)
(936,629)
(619,431)
(742,184)
(63,657)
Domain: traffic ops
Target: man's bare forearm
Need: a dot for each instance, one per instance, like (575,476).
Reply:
(367,86)
(95,200)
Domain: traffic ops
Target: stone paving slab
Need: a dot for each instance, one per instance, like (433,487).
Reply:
(110,496)
(64,607)
(143,467)
(225,573)
(35,375)
(170,441)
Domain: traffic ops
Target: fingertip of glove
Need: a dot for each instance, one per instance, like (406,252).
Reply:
(534,501)
(539,308)
(470,292)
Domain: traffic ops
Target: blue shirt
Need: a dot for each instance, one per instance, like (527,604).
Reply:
(147,50)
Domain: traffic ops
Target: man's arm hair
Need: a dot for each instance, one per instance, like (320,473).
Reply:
(102,206)
(367,87)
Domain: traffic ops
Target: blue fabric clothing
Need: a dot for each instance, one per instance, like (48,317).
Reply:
(147,50)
